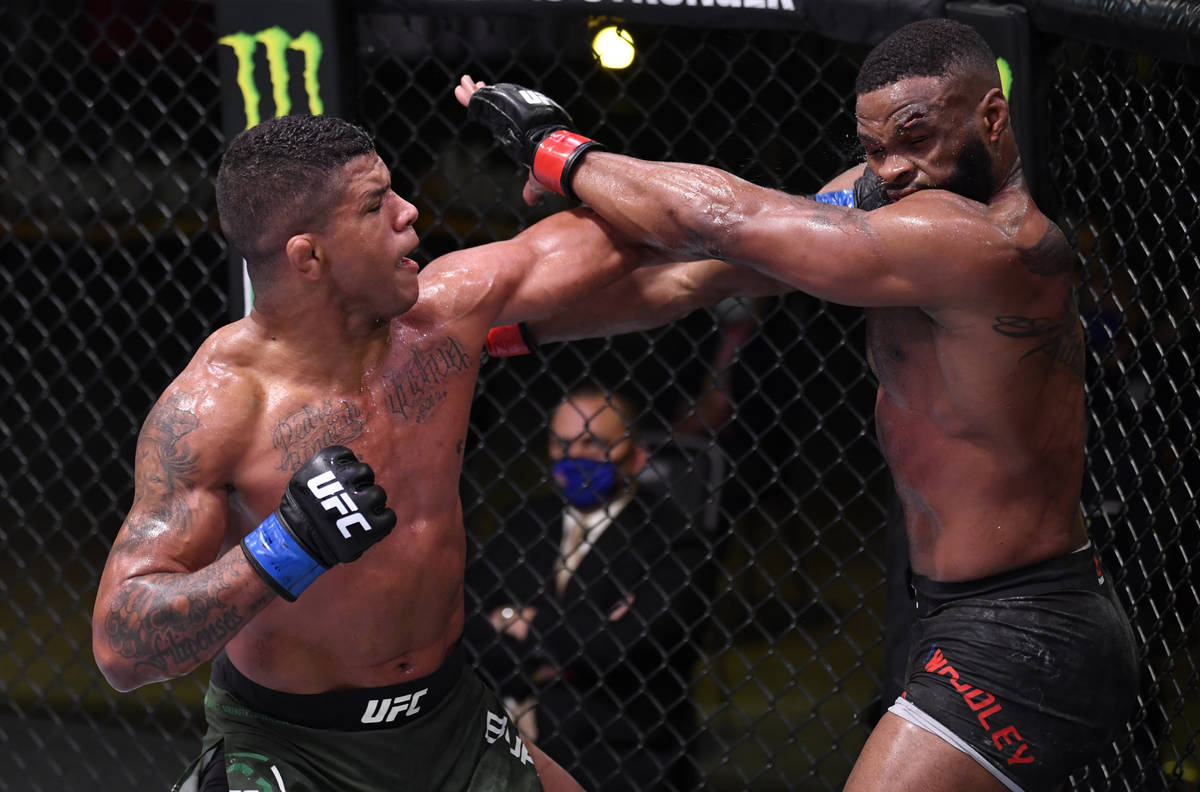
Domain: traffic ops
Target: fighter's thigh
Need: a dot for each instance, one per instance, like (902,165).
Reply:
(902,757)
(554,778)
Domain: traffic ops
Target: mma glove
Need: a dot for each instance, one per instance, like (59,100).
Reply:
(869,192)
(510,341)
(534,130)
(331,512)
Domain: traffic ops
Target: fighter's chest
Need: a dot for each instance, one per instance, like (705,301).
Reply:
(414,402)
(900,341)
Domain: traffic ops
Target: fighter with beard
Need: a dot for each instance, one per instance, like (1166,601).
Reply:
(1022,662)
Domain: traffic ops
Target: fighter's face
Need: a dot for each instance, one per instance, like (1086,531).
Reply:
(367,241)
(923,133)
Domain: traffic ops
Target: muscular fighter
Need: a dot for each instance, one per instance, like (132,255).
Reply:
(1022,662)
(296,514)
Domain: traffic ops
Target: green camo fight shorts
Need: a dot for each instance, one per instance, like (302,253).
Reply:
(446,731)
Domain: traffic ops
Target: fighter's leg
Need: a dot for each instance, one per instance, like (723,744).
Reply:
(554,778)
(902,757)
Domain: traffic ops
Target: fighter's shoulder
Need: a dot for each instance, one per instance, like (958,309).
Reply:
(456,285)
(213,404)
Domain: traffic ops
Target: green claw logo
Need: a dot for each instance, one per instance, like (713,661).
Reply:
(276,42)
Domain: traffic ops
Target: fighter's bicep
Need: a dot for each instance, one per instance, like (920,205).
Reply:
(895,256)
(179,515)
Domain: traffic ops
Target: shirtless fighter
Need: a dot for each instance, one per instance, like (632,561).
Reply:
(332,616)
(1022,662)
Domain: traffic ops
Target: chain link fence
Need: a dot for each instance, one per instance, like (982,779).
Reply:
(113,270)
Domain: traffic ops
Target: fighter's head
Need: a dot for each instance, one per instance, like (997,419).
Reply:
(931,112)
(310,191)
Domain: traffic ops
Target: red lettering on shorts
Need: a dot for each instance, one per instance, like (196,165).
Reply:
(983,704)
(987,713)
(1018,757)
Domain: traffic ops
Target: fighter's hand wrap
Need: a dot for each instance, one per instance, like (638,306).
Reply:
(534,130)
(510,341)
(331,512)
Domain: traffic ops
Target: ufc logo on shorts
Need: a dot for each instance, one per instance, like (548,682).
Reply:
(534,98)
(388,709)
(333,497)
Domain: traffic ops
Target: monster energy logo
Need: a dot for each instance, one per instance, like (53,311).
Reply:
(1006,77)
(276,42)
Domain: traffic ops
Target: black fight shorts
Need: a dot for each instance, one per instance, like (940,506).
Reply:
(446,731)
(1029,672)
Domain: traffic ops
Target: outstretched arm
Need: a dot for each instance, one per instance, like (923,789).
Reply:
(833,252)
(651,297)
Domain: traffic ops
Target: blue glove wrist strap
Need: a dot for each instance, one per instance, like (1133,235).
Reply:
(837,197)
(281,560)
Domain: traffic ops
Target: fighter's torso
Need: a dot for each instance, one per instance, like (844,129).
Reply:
(394,613)
(980,415)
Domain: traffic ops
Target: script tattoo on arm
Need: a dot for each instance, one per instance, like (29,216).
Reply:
(169,623)
(1061,340)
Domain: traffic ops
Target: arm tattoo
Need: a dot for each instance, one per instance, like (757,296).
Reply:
(1062,341)
(164,470)
(169,623)
(305,432)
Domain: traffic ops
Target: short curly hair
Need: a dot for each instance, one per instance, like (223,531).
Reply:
(927,48)
(274,181)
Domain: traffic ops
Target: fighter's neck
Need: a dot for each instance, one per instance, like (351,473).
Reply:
(321,347)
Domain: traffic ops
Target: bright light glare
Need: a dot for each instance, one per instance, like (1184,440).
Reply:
(614,47)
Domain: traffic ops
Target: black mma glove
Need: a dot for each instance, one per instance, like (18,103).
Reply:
(869,192)
(331,512)
(534,130)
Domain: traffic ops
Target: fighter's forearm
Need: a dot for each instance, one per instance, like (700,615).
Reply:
(690,209)
(163,625)
(652,297)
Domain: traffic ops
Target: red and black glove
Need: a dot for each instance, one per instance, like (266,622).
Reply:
(534,130)
(510,341)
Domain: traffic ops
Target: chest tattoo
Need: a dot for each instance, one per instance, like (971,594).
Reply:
(1061,340)
(416,389)
(314,426)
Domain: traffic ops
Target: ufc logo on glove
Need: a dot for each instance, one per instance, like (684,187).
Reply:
(333,497)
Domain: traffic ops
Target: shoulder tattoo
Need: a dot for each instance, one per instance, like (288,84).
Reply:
(1050,256)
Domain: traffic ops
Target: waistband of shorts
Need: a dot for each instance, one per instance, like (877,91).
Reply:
(359,709)
(1076,570)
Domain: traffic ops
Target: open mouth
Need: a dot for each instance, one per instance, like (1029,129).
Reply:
(406,263)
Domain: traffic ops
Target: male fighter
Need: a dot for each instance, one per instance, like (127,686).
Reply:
(1022,662)
(332,615)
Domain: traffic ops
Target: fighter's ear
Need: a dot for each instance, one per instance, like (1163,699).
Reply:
(993,114)
(302,256)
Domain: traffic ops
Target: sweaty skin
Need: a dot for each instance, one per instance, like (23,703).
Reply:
(354,348)
(972,328)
